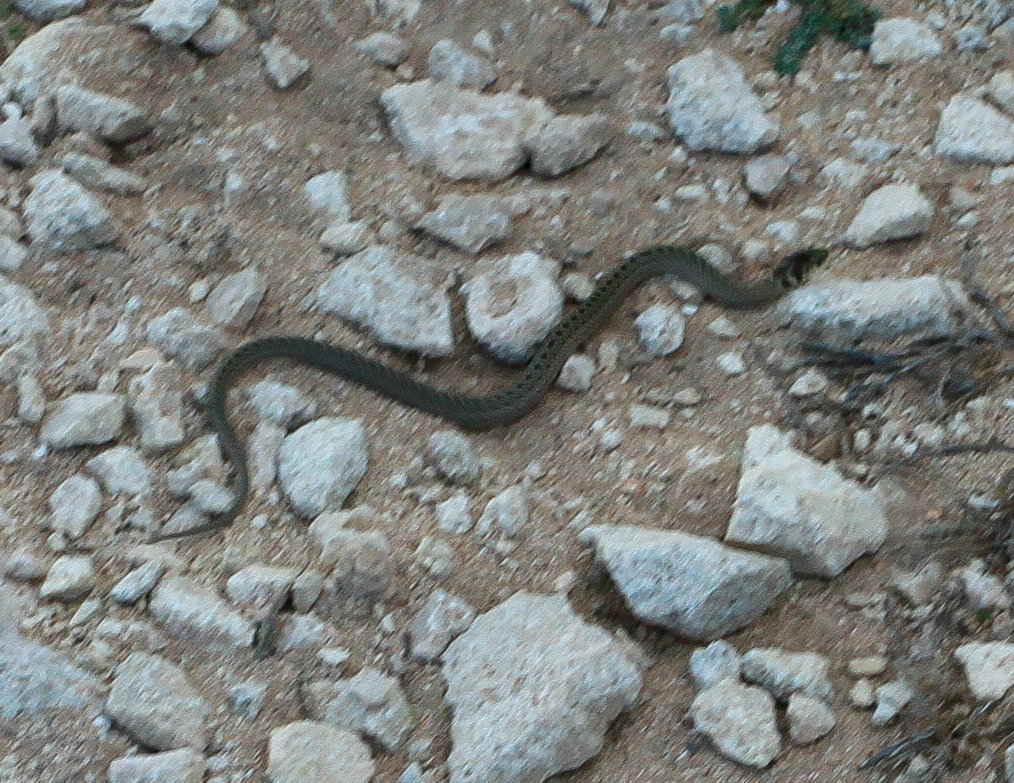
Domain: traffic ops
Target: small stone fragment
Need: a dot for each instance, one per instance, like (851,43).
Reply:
(811,382)
(96,174)
(346,238)
(868,666)
(454,515)
(234,301)
(901,39)
(849,309)
(711,107)
(175,21)
(471,223)
(74,505)
(532,689)
(660,329)
(189,610)
(712,664)
(64,217)
(442,618)
(328,194)
(508,511)
(888,213)
(648,417)
(689,584)
(311,750)
(809,719)
(731,363)
(49,10)
(740,721)
(1000,90)
(223,30)
(528,282)
(112,119)
(277,403)
(989,667)
(765,176)
(69,578)
(12,254)
(793,506)
(184,765)
(861,695)
(260,585)
(364,567)
(185,337)
(247,698)
(461,133)
(84,419)
(17,143)
(891,698)
(785,673)
(400,297)
(384,48)
(371,702)
(121,469)
(156,407)
(972,131)
(152,700)
(321,463)
(452,456)
(566,142)
(449,62)
(138,583)
(577,373)
(283,66)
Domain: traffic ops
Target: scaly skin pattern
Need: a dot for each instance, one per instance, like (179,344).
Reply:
(500,408)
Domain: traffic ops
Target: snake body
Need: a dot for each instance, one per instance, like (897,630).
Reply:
(499,408)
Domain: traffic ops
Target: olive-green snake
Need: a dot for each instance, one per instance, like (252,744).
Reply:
(479,412)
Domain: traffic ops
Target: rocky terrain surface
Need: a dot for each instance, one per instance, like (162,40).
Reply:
(729,546)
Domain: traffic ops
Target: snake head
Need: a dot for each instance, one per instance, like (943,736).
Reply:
(796,267)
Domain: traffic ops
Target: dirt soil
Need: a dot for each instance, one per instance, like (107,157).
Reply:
(173,239)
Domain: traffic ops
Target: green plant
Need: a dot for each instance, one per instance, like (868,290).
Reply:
(847,20)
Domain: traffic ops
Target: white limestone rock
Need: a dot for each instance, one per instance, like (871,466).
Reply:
(64,217)
(321,463)
(152,700)
(886,308)
(789,505)
(112,119)
(175,21)
(450,62)
(891,212)
(989,668)
(463,134)
(711,106)
(471,223)
(740,720)
(528,704)
(972,131)
(371,703)
(691,585)
(400,297)
(528,282)
(191,611)
(313,750)
(901,39)
(84,419)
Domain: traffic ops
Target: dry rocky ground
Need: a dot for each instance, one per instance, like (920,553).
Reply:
(432,183)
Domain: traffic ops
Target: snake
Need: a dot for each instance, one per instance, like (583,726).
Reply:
(503,407)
